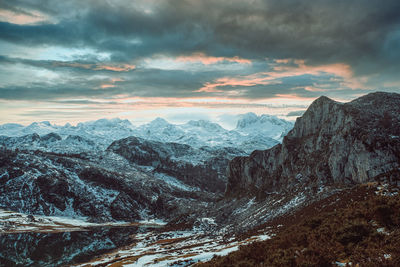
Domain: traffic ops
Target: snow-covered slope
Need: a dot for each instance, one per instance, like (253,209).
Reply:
(100,187)
(252,132)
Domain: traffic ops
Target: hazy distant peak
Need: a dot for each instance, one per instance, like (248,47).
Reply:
(159,121)
(204,124)
(251,119)
(105,122)
(41,123)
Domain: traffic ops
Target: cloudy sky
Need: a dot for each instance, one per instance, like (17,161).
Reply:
(79,60)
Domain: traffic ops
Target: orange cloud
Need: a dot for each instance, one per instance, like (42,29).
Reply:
(206,60)
(113,67)
(117,80)
(314,89)
(118,68)
(72,65)
(244,81)
(111,84)
(282,61)
(31,17)
(104,86)
(340,70)
(293,98)
(337,69)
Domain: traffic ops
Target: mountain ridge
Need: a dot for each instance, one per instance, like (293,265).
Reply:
(331,143)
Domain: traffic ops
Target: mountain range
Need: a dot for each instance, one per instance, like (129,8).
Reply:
(100,170)
(101,133)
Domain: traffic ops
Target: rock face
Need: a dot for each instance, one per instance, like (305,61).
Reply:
(331,143)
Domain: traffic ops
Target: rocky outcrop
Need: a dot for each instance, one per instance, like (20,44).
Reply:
(331,143)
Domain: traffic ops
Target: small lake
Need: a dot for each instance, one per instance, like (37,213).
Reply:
(63,248)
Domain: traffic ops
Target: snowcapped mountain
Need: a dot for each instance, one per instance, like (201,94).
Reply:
(158,130)
(87,136)
(252,132)
(98,127)
(263,125)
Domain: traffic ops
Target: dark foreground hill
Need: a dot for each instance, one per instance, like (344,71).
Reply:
(358,227)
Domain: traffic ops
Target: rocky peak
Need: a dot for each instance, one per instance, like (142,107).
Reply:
(331,143)
(115,122)
(316,115)
(205,124)
(264,125)
(159,122)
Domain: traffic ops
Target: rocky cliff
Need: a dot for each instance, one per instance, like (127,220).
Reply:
(331,143)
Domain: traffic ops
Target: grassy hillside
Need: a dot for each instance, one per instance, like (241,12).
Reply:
(360,226)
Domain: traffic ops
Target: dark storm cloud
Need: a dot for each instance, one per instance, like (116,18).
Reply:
(125,32)
(356,32)
(46,92)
